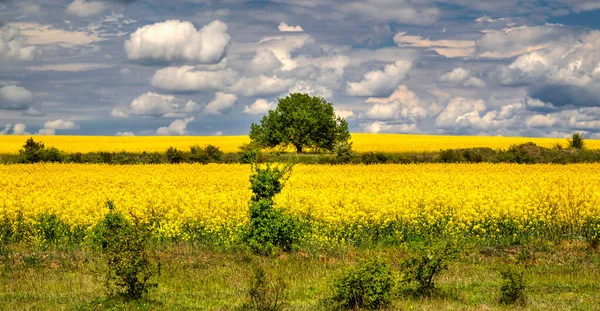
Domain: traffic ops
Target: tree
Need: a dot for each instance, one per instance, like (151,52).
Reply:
(302,121)
(576,141)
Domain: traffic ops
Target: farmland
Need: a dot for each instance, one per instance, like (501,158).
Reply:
(541,218)
(389,143)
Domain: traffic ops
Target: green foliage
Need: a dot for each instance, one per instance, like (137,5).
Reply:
(49,228)
(34,152)
(576,141)
(512,290)
(250,153)
(123,244)
(174,156)
(270,228)
(208,154)
(266,293)
(425,263)
(302,121)
(366,285)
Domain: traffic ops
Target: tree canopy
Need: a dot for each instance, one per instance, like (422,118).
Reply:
(302,121)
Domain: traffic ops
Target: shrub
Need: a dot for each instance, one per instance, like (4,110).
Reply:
(576,141)
(174,156)
(205,155)
(425,263)
(49,228)
(366,285)
(512,290)
(270,228)
(250,153)
(451,156)
(124,246)
(266,293)
(214,153)
(34,152)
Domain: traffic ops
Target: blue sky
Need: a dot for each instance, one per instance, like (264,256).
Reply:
(207,67)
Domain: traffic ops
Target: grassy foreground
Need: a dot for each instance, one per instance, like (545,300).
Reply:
(559,276)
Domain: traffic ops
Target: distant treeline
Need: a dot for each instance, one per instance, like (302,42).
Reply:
(529,153)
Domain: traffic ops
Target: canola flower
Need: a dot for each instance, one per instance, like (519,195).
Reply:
(10,144)
(475,198)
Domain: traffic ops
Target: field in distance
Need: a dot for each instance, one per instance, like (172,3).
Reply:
(392,143)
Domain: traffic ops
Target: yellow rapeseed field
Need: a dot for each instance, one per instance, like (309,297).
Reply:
(362,142)
(217,195)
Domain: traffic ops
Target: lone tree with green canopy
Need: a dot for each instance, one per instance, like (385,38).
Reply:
(302,121)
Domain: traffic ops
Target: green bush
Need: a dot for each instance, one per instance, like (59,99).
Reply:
(270,228)
(424,264)
(123,244)
(366,285)
(205,155)
(49,228)
(34,152)
(512,290)
(576,141)
(174,156)
(266,293)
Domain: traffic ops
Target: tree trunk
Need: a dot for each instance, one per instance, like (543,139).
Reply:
(298,149)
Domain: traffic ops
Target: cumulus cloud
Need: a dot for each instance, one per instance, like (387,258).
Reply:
(287,28)
(187,79)
(15,97)
(403,103)
(283,46)
(346,114)
(383,127)
(177,127)
(13,45)
(6,129)
(125,134)
(565,73)
(311,88)
(175,41)
(380,82)
(20,129)
(447,48)
(510,42)
(50,127)
(461,76)
(83,8)
(220,104)
(265,62)
(459,112)
(261,85)
(541,120)
(260,106)
(148,104)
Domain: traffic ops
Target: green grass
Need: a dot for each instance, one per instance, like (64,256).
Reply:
(559,277)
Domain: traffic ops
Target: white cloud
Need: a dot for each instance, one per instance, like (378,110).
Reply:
(125,134)
(13,45)
(260,106)
(15,97)
(218,133)
(446,48)
(20,129)
(148,104)
(382,127)
(33,112)
(50,127)
(38,34)
(346,114)
(380,82)
(311,88)
(261,85)
(401,11)
(83,8)
(459,113)
(510,42)
(541,120)
(73,67)
(287,28)
(403,103)
(6,129)
(177,127)
(461,76)
(186,79)
(220,104)
(283,46)
(177,41)
(265,62)
(33,9)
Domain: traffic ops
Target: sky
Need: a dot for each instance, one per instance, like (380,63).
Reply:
(208,67)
